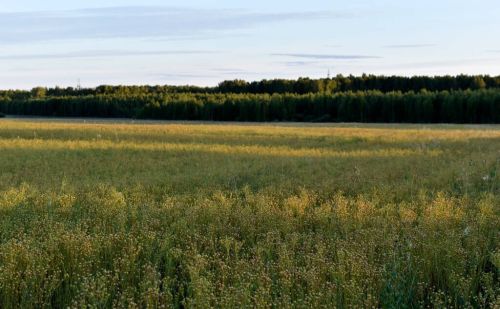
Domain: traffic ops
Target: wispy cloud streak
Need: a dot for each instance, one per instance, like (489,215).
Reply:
(327,57)
(138,22)
(402,46)
(103,53)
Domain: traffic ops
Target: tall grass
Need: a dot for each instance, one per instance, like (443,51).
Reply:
(197,216)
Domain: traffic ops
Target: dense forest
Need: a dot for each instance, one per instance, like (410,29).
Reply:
(367,98)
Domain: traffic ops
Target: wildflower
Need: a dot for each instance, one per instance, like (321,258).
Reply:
(467,231)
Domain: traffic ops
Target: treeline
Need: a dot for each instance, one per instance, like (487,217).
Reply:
(336,84)
(362,83)
(460,106)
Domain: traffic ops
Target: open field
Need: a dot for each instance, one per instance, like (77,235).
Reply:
(201,215)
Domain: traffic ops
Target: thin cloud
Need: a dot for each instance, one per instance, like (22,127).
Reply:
(138,22)
(400,46)
(103,53)
(300,63)
(327,57)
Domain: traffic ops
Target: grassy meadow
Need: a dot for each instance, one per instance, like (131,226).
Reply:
(105,214)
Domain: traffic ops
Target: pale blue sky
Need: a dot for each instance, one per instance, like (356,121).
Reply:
(56,42)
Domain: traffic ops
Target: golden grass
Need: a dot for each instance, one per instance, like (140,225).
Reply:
(280,151)
(242,130)
(154,215)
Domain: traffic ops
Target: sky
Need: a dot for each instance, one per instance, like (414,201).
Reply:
(62,43)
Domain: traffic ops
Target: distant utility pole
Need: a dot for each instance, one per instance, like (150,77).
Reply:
(329,74)
(79,85)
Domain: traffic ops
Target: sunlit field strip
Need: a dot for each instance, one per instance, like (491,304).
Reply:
(367,132)
(206,148)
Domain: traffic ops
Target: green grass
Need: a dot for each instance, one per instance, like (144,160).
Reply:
(108,214)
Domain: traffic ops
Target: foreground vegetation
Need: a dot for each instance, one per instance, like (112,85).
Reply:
(192,215)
